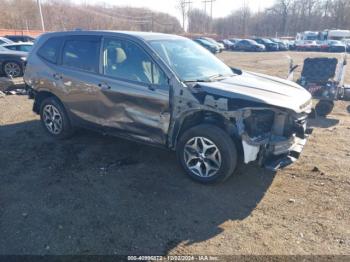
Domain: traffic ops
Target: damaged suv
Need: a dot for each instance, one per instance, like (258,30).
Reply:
(168,91)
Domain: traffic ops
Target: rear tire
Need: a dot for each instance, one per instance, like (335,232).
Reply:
(207,154)
(55,119)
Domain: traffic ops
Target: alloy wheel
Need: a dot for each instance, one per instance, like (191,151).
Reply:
(202,157)
(12,69)
(52,119)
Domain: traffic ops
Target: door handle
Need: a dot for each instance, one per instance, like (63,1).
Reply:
(104,86)
(57,76)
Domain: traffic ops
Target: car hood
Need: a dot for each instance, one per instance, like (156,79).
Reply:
(262,89)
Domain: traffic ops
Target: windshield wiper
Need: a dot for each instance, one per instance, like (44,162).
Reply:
(209,79)
(197,80)
(218,76)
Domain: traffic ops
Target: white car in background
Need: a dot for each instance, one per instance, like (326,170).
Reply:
(4,40)
(21,46)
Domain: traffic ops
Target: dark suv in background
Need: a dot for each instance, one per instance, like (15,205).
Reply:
(167,91)
(269,45)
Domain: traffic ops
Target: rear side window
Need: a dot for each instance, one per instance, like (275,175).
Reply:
(50,50)
(82,54)
(11,47)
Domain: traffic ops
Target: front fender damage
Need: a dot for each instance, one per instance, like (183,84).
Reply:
(273,137)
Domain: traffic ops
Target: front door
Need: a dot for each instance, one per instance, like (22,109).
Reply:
(135,92)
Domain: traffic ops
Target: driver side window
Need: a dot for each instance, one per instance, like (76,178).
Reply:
(125,60)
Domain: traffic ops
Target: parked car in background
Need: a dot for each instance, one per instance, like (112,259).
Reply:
(167,91)
(234,41)
(307,45)
(269,45)
(282,46)
(20,38)
(347,43)
(4,40)
(249,45)
(24,47)
(208,45)
(214,42)
(291,45)
(336,46)
(228,44)
(12,63)
(323,45)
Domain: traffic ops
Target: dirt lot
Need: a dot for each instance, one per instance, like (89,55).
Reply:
(100,195)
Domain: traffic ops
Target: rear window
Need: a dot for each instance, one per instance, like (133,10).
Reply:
(50,50)
(81,54)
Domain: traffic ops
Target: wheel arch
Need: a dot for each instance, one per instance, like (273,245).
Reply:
(193,118)
(40,96)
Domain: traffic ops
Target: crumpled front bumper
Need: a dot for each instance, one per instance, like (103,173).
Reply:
(286,153)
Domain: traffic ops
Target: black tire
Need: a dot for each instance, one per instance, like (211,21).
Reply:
(20,68)
(222,141)
(324,107)
(66,127)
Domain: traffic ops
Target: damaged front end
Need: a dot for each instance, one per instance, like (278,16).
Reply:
(273,137)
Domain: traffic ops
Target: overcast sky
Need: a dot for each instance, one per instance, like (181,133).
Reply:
(220,7)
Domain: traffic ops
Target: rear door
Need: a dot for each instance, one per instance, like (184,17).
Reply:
(77,76)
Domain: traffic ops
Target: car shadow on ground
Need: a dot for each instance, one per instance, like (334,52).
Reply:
(348,109)
(94,194)
(323,122)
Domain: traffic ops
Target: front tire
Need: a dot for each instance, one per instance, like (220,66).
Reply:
(207,153)
(55,119)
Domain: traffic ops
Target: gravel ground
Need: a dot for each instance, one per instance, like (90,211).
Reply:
(94,194)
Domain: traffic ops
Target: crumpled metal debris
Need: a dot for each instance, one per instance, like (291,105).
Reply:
(16,92)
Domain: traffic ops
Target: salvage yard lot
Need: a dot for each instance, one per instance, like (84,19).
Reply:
(94,194)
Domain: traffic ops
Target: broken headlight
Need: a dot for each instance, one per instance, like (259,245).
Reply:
(259,122)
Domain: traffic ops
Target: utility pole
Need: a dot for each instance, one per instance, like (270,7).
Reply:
(184,5)
(211,7)
(152,22)
(41,16)
(211,10)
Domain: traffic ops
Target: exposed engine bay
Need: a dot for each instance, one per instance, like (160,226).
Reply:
(268,133)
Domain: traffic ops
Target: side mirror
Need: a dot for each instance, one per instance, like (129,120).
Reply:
(237,71)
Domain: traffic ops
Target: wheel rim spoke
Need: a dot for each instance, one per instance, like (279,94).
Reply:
(52,119)
(12,69)
(202,157)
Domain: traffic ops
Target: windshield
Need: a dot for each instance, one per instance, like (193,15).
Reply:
(267,41)
(210,40)
(251,41)
(190,61)
(206,42)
